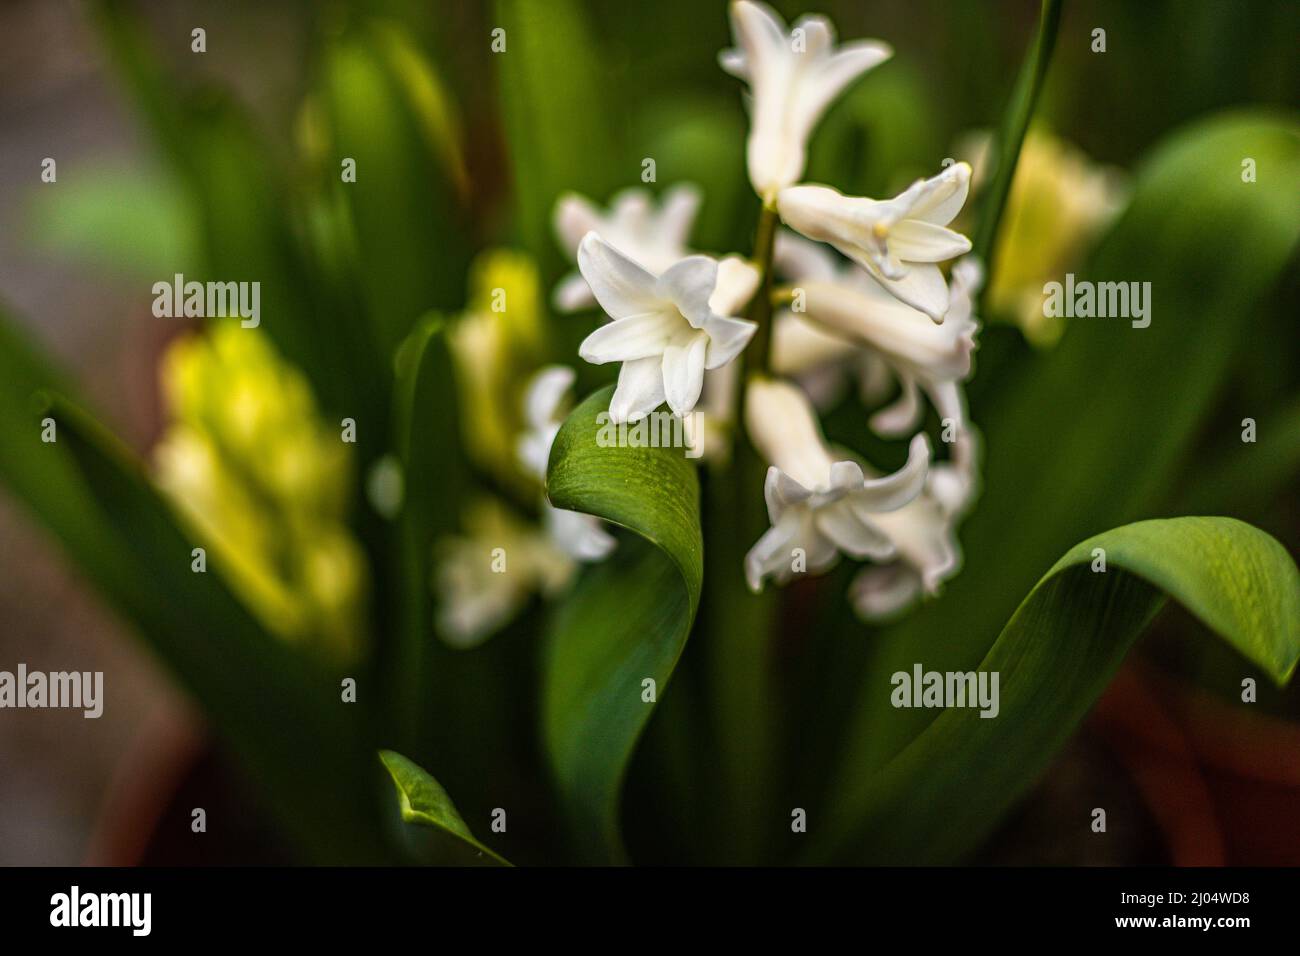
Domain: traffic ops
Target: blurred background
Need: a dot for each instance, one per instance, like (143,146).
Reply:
(1165,63)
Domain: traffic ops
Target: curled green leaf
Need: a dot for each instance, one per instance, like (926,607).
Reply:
(614,643)
(424,802)
(944,792)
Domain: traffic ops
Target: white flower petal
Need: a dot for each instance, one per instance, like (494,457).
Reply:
(926,539)
(770,556)
(798,258)
(893,491)
(575,216)
(784,429)
(842,68)
(683,371)
(847,476)
(677,212)
(818,34)
(572,294)
(727,339)
(879,593)
(578,535)
(735,63)
(758,29)
(948,402)
(545,393)
(737,282)
(923,288)
(632,338)
(780,492)
(688,284)
(913,240)
(851,534)
(799,345)
(534,451)
(621,286)
(943,195)
(640,390)
(793,77)
(904,416)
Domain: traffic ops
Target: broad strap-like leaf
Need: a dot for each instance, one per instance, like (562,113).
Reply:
(424,802)
(384,107)
(1098,431)
(248,224)
(627,620)
(416,665)
(559,122)
(935,800)
(280,711)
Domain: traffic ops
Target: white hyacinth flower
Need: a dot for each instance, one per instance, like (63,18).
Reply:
(793,77)
(664,330)
(821,361)
(486,576)
(818,505)
(899,241)
(924,535)
(825,364)
(578,535)
(929,358)
(654,237)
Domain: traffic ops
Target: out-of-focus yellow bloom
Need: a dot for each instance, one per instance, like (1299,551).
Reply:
(497,344)
(1059,204)
(264,482)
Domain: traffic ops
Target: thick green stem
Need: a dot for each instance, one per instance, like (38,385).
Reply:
(739,623)
(760,309)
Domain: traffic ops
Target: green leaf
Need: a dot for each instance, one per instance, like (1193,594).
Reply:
(1096,433)
(248,222)
(43,475)
(941,795)
(424,802)
(557,120)
(426,438)
(278,710)
(385,108)
(627,619)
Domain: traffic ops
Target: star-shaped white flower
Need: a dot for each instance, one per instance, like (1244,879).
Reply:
(793,77)
(664,330)
(578,535)
(856,311)
(476,598)
(924,535)
(898,241)
(818,505)
(655,237)
(822,361)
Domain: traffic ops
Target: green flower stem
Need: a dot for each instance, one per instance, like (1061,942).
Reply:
(1015,123)
(739,624)
(782,295)
(760,309)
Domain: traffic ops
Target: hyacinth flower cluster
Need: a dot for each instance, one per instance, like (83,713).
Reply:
(838,287)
